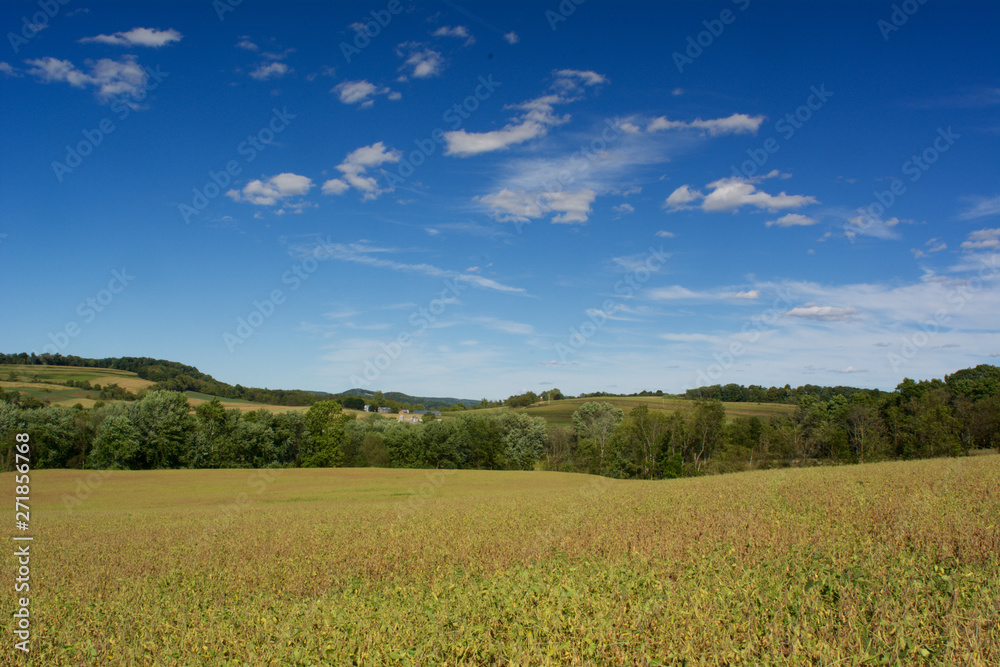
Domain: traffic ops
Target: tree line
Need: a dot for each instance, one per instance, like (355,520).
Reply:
(158,429)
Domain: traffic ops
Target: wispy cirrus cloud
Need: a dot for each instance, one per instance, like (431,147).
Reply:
(980,207)
(374,256)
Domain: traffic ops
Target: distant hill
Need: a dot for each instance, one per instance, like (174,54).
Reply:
(427,401)
(163,374)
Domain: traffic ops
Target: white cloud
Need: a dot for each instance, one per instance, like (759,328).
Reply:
(510,206)
(793,220)
(624,209)
(272,190)
(688,337)
(7,70)
(464,144)
(360,253)
(681,197)
(420,62)
(665,234)
(747,294)
(731,194)
(981,207)
(355,171)
(246,44)
(866,225)
(273,70)
(511,37)
(586,77)
(459,31)
(505,326)
(738,123)
(982,239)
(824,313)
(335,186)
(361,92)
(111,78)
(537,116)
(137,37)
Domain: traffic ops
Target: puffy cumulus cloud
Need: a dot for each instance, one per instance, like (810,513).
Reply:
(738,123)
(521,206)
(272,70)
(793,220)
(824,313)
(420,62)
(681,197)
(362,93)
(354,170)
(459,31)
(150,37)
(733,193)
(511,37)
(269,192)
(111,78)
(534,120)
(747,294)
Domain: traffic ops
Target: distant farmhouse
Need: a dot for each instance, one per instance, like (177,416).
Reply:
(417,416)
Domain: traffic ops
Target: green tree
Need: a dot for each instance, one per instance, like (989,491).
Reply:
(709,417)
(326,422)
(374,451)
(597,421)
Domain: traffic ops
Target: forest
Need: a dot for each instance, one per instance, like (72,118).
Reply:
(158,429)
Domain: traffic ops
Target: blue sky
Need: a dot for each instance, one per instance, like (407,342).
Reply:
(481,198)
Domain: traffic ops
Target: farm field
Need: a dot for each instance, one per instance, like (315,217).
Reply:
(40,382)
(889,563)
(559,413)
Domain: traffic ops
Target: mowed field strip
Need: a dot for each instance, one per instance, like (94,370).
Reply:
(891,563)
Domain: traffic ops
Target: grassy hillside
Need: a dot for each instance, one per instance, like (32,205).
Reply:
(40,382)
(559,413)
(890,563)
